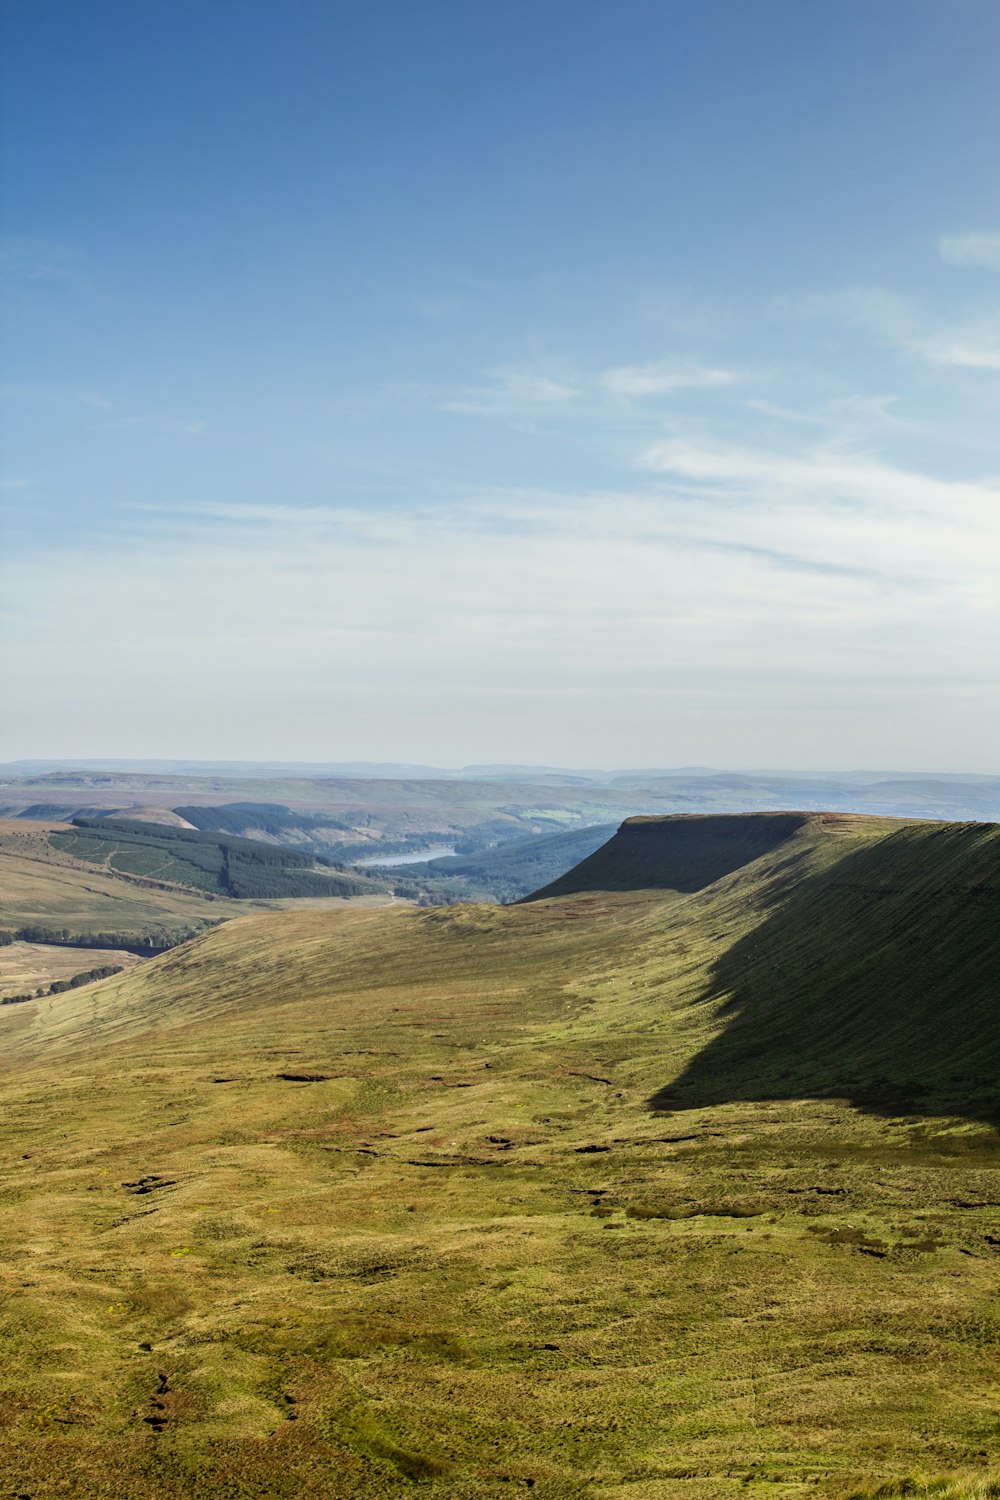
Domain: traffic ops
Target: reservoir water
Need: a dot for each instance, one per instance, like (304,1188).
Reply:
(438,851)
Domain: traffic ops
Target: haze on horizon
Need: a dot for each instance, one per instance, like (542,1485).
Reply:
(548,383)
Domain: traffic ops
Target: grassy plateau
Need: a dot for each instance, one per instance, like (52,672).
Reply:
(680,1181)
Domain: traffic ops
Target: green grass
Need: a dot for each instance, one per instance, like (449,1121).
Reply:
(946,1488)
(45,886)
(26,966)
(341,1203)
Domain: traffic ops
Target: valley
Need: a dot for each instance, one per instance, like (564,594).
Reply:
(680,1180)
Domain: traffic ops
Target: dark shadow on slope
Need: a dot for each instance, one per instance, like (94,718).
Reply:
(683,853)
(877,980)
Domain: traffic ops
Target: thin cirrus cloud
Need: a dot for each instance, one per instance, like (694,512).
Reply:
(659,379)
(982,250)
(745,546)
(191,426)
(512,389)
(34,264)
(971,343)
(822,508)
(98,401)
(971,346)
(533,587)
(518,390)
(726,576)
(753,537)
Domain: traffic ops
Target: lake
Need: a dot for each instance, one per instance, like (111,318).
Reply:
(437,852)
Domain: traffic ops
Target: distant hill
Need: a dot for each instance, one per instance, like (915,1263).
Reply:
(142,889)
(519,802)
(236,867)
(504,872)
(43,887)
(677,854)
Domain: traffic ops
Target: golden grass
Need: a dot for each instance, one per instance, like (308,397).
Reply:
(336,1204)
(25,966)
(40,884)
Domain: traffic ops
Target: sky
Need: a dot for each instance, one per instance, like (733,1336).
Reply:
(553,381)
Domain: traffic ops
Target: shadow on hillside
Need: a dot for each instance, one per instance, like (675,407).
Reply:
(877,980)
(681,853)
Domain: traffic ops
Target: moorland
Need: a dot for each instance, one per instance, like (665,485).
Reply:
(681,1179)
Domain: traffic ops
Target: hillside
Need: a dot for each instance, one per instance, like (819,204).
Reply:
(43,885)
(677,854)
(97,890)
(26,967)
(224,865)
(588,1195)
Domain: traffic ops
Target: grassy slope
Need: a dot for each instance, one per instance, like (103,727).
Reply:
(45,886)
(25,966)
(681,853)
(471,1254)
(41,884)
(221,863)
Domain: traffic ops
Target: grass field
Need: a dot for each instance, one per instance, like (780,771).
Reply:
(25,966)
(347,1203)
(44,885)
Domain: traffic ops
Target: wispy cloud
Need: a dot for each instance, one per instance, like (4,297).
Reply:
(982,250)
(98,401)
(824,507)
(971,343)
(969,346)
(513,389)
(39,264)
(95,399)
(525,390)
(730,582)
(655,379)
(845,418)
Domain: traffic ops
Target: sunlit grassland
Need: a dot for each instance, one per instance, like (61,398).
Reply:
(340,1203)
(25,966)
(41,884)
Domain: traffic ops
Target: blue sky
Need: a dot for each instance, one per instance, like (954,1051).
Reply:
(453,382)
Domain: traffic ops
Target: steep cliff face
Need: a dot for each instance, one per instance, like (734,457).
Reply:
(873,977)
(684,853)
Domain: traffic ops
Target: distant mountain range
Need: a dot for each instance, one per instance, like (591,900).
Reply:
(503,802)
(405,771)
